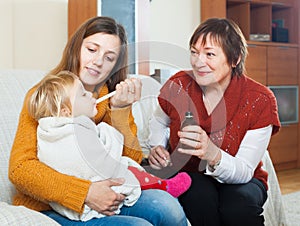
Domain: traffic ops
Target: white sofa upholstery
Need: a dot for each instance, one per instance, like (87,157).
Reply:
(13,86)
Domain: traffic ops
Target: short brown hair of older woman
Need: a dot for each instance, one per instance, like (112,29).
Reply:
(228,35)
(71,56)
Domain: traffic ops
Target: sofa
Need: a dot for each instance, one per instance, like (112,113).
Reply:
(13,86)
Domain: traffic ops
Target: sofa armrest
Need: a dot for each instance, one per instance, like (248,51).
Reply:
(273,209)
(22,216)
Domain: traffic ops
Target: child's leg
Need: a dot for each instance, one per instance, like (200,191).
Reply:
(147,180)
(175,186)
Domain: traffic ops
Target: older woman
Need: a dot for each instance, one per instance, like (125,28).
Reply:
(235,116)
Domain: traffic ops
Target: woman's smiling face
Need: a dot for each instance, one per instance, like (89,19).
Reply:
(98,56)
(209,63)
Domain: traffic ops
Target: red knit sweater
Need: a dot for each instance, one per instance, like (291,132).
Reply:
(246,105)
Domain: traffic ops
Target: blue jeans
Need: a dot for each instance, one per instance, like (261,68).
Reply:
(154,207)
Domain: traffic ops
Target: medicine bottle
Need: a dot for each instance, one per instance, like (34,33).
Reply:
(188,121)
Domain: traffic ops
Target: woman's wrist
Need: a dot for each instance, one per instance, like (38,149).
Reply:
(216,161)
(212,168)
(119,107)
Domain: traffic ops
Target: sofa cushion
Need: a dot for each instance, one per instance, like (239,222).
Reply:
(143,109)
(13,87)
(21,216)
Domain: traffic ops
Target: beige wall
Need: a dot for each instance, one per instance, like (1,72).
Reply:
(6,37)
(34,32)
(174,20)
(172,23)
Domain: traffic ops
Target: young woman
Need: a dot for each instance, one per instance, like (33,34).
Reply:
(97,52)
(236,117)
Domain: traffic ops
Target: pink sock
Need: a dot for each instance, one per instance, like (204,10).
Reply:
(179,184)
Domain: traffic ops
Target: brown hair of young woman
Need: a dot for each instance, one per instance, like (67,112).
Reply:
(71,56)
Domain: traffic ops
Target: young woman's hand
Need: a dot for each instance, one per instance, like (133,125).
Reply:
(127,92)
(102,198)
(159,157)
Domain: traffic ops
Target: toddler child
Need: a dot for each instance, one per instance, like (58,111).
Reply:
(70,142)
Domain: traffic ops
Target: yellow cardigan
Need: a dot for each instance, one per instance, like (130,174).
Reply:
(38,184)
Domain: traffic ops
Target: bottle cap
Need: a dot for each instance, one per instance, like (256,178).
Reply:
(189,114)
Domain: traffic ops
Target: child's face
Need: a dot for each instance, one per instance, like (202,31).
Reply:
(82,101)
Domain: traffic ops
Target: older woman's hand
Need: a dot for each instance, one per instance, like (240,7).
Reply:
(127,92)
(200,143)
(159,157)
